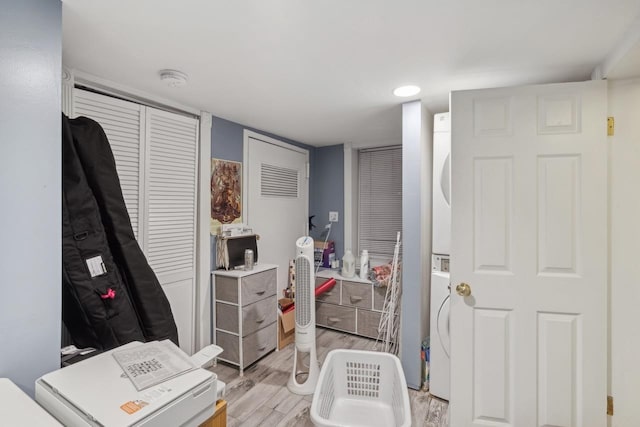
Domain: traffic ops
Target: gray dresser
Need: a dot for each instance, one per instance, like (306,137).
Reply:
(245,313)
(353,305)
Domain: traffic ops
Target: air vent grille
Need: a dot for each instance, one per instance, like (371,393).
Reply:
(276,181)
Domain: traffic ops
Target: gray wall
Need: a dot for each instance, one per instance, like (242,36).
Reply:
(416,236)
(30,184)
(227,139)
(327,194)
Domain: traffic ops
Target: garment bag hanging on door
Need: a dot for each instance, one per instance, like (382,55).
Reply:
(156,155)
(147,295)
(96,308)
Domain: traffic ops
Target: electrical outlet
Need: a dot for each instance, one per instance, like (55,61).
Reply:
(333,216)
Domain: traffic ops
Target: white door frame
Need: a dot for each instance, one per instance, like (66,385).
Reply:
(203,299)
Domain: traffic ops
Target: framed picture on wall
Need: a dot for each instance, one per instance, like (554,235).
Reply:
(226,193)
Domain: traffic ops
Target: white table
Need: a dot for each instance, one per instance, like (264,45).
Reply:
(18,409)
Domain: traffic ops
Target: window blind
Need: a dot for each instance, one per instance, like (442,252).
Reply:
(379,200)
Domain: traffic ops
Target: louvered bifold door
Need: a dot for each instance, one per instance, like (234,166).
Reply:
(170,206)
(123,123)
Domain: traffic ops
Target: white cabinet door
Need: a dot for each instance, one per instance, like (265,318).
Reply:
(529,236)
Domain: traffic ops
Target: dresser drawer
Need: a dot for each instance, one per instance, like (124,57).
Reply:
(368,322)
(258,344)
(336,317)
(227,317)
(332,296)
(357,294)
(259,314)
(254,346)
(258,286)
(226,289)
(230,345)
(254,316)
(378,297)
(254,287)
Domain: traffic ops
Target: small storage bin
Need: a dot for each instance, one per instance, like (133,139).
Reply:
(361,388)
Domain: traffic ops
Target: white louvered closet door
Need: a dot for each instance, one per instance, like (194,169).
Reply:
(170,208)
(123,123)
(156,155)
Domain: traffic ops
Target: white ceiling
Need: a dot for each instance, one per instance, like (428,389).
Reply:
(322,72)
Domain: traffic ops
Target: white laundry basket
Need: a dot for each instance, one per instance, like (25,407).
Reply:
(361,388)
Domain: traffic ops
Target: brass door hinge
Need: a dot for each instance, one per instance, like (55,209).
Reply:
(609,405)
(610,126)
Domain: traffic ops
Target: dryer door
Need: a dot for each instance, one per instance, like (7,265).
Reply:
(441,190)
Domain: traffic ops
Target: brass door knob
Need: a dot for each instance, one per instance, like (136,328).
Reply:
(463,289)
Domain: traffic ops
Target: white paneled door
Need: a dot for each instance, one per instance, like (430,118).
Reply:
(529,238)
(277,202)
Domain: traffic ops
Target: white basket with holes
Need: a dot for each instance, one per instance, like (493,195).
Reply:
(361,388)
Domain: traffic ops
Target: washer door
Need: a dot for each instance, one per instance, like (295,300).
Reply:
(440,346)
(442,326)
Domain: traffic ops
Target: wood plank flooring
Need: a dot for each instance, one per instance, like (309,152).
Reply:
(261,397)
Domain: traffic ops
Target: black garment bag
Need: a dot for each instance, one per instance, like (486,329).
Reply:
(95,302)
(147,295)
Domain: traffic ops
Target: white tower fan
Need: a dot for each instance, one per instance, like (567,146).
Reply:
(305,304)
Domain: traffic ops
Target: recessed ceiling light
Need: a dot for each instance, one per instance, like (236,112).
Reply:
(173,78)
(405,91)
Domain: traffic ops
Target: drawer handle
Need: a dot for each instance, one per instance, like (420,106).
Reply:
(260,292)
(334,319)
(262,348)
(260,320)
(355,299)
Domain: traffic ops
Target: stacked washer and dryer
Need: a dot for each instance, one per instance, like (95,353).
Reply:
(441,246)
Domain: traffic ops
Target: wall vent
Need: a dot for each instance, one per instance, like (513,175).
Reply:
(276,181)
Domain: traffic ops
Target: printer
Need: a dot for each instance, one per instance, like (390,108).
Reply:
(97,392)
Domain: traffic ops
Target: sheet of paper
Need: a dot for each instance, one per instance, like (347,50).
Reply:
(153,363)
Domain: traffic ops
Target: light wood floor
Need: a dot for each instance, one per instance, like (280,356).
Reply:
(261,397)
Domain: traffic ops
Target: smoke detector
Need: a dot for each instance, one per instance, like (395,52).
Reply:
(173,78)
